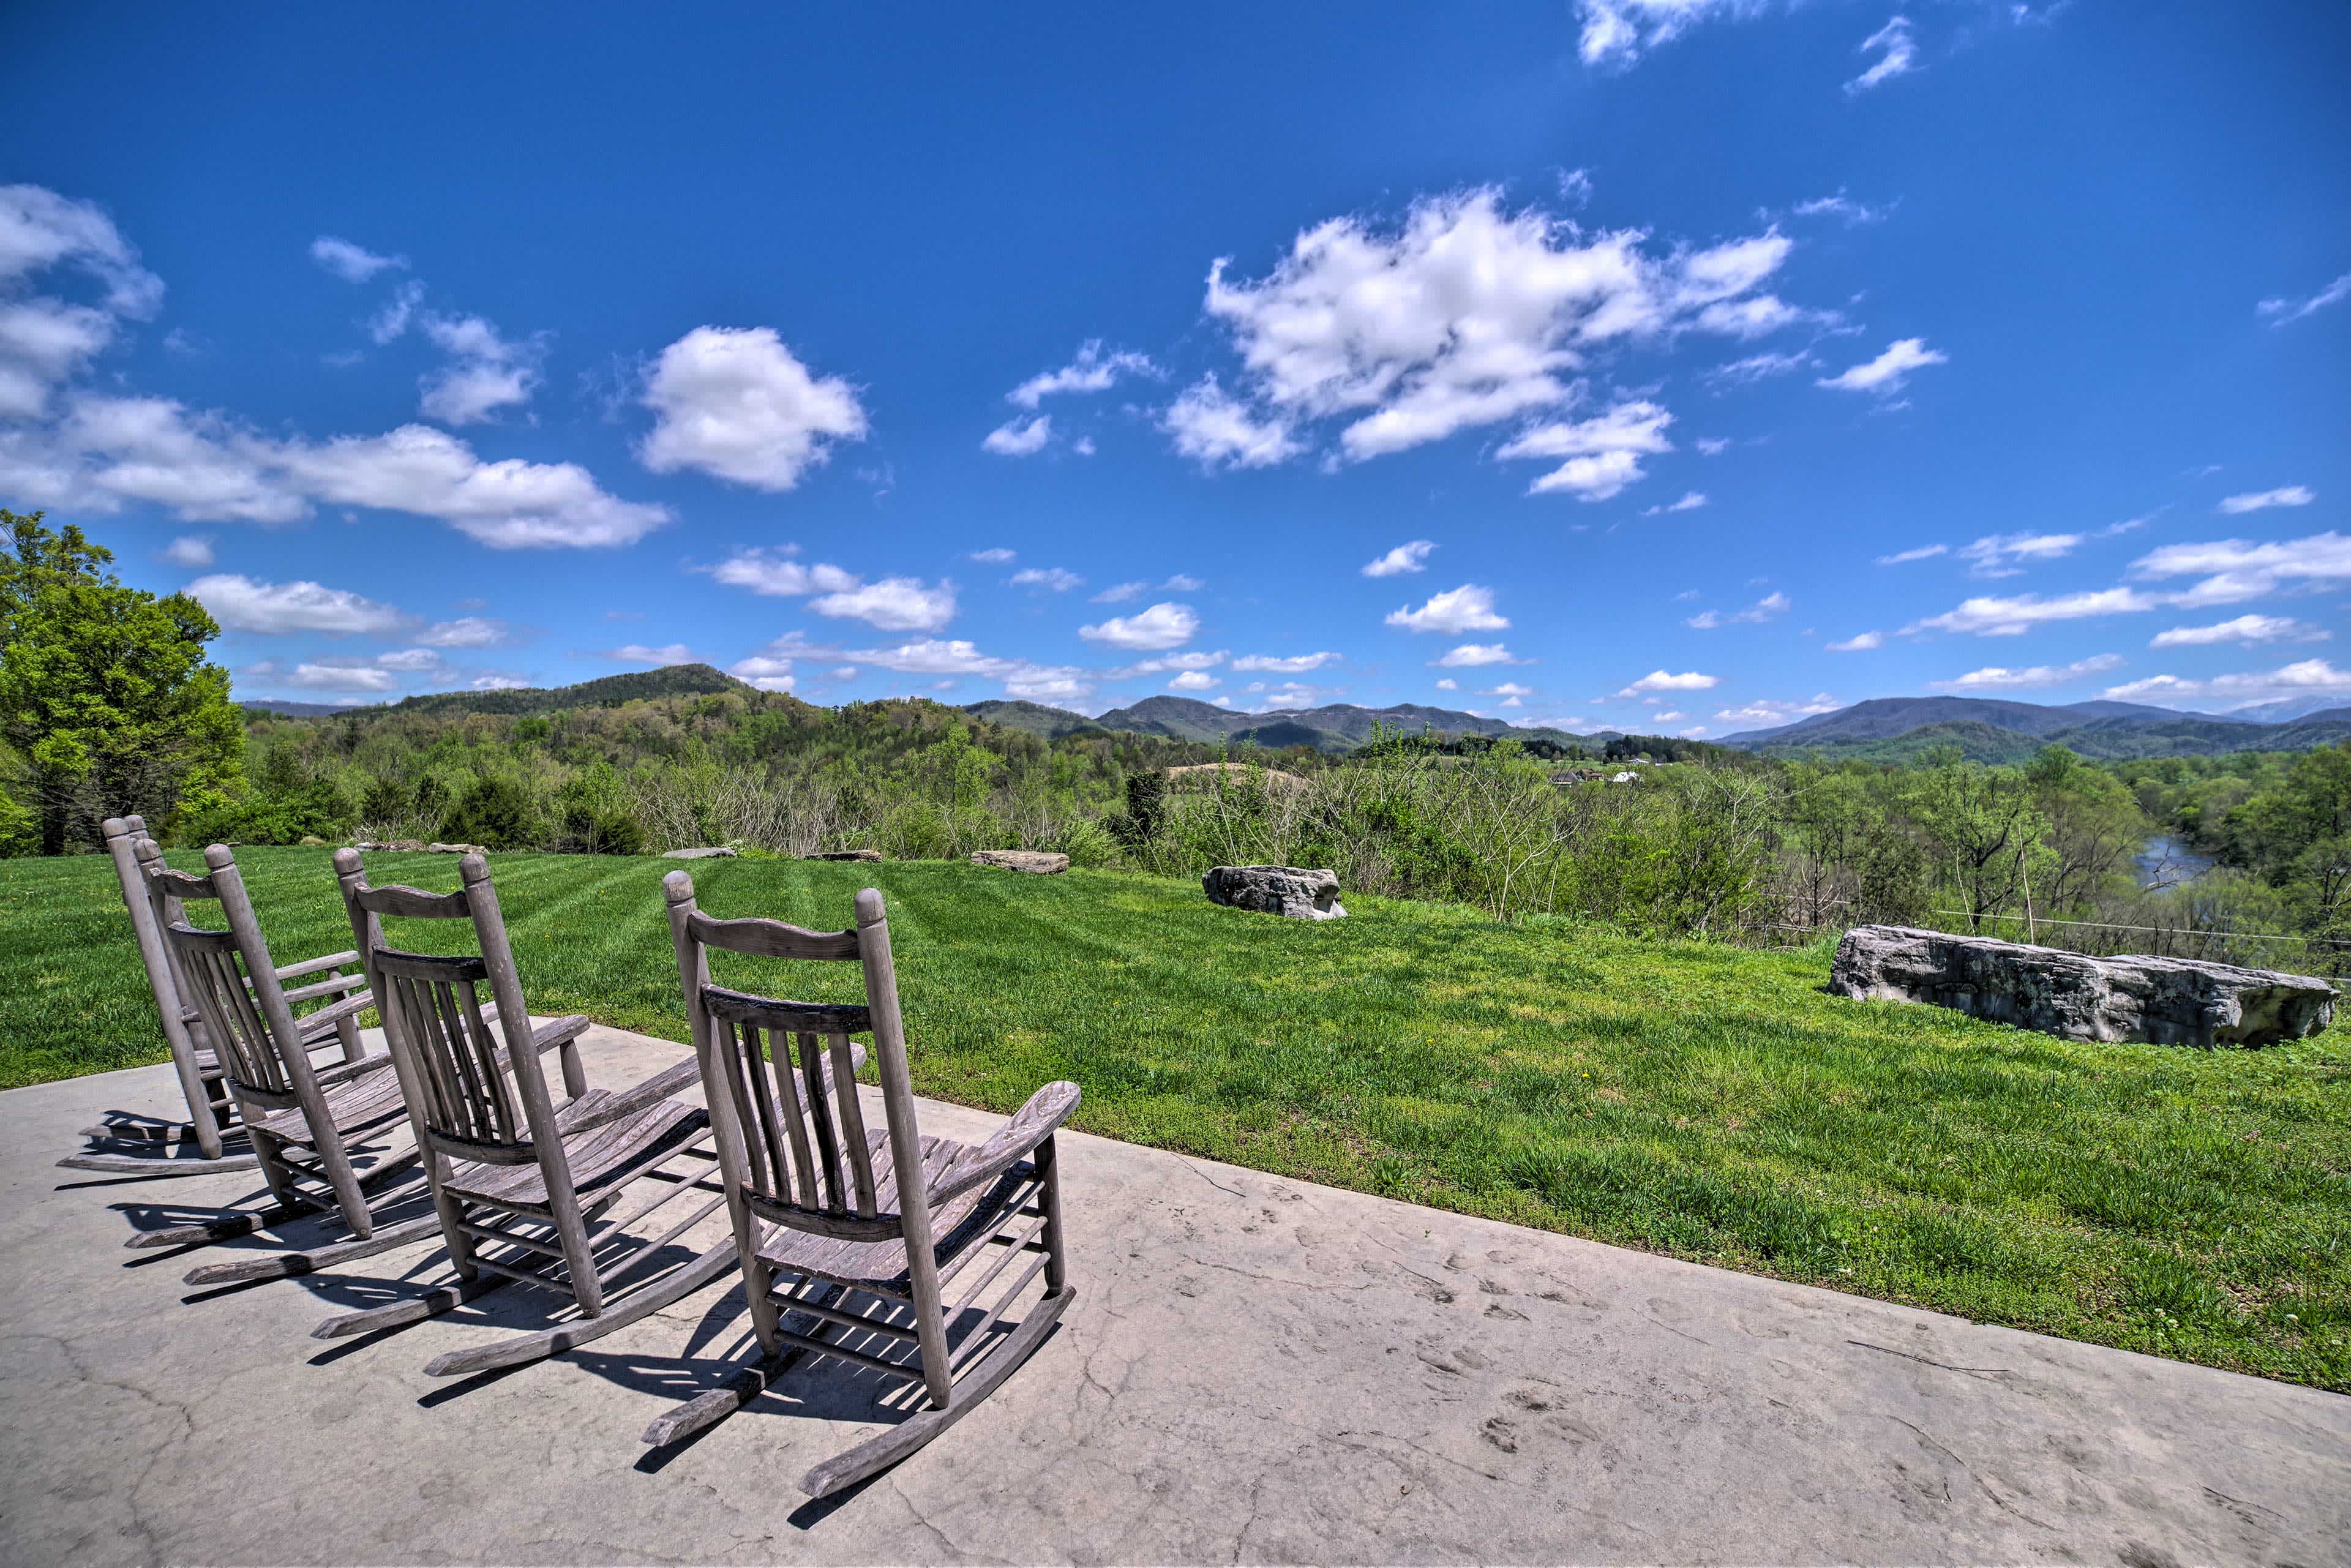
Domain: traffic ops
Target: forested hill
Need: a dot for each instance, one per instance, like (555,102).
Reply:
(1337,727)
(1896,729)
(611,691)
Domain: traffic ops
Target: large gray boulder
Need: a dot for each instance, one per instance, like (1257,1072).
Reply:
(1275,890)
(2163,1001)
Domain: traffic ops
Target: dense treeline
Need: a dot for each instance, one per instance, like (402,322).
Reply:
(108,706)
(1717,843)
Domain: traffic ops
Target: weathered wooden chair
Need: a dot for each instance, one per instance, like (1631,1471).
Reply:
(303,1121)
(509,1169)
(212,1125)
(887,1216)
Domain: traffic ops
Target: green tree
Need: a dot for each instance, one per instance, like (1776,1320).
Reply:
(107,705)
(1988,829)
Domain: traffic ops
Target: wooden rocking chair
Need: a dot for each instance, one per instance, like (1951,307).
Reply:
(212,1125)
(509,1169)
(818,1204)
(303,1121)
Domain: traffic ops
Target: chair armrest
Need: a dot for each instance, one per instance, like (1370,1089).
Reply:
(337,986)
(344,1072)
(1029,1127)
(545,1037)
(288,971)
(310,1026)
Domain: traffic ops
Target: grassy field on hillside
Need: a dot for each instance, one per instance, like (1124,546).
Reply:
(1699,1100)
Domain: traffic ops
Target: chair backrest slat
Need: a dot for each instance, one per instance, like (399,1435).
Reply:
(226,980)
(796,1142)
(468,1098)
(852,1122)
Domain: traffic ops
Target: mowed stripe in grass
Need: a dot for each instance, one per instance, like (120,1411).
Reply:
(1705,1101)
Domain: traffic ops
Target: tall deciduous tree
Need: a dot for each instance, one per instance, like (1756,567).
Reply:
(107,704)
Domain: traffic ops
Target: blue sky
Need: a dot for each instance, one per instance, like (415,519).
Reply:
(1663,364)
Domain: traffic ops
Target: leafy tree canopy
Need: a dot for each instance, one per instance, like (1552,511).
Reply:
(107,704)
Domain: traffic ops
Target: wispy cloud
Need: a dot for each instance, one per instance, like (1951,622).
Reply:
(1899,56)
(2262,500)
(1996,678)
(2281,311)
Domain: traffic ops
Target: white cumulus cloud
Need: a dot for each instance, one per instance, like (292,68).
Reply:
(1472,655)
(1019,437)
(1218,430)
(1604,453)
(1467,607)
(735,402)
(241,603)
(1161,626)
(1860,642)
(1405,557)
(1053,579)
(1665,681)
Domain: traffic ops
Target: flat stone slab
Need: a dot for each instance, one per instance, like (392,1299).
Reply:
(1255,1370)
(1037,863)
(1275,890)
(707,852)
(844,855)
(2161,1002)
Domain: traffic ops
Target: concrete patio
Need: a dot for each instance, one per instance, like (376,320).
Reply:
(1256,1370)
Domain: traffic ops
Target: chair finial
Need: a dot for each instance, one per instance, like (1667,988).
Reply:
(347,862)
(219,857)
(869,906)
(678,887)
(473,868)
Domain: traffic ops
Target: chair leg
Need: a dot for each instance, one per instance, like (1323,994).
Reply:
(276,1171)
(348,1197)
(579,1257)
(1048,1171)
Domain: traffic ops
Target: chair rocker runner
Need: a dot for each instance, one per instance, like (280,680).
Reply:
(858,1234)
(303,1121)
(521,1186)
(213,1126)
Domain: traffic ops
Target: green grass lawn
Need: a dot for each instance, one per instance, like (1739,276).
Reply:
(1704,1102)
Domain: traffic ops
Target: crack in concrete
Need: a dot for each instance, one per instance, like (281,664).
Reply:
(1989,1490)
(153,1554)
(1989,1374)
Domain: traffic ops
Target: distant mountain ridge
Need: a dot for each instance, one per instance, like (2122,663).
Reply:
(1335,726)
(1991,729)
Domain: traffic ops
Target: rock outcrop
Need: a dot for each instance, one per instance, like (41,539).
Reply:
(844,855)
(456,849)
(1275,890)
(709,853)
(2163,1001)
(1038,862)
(409,846)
